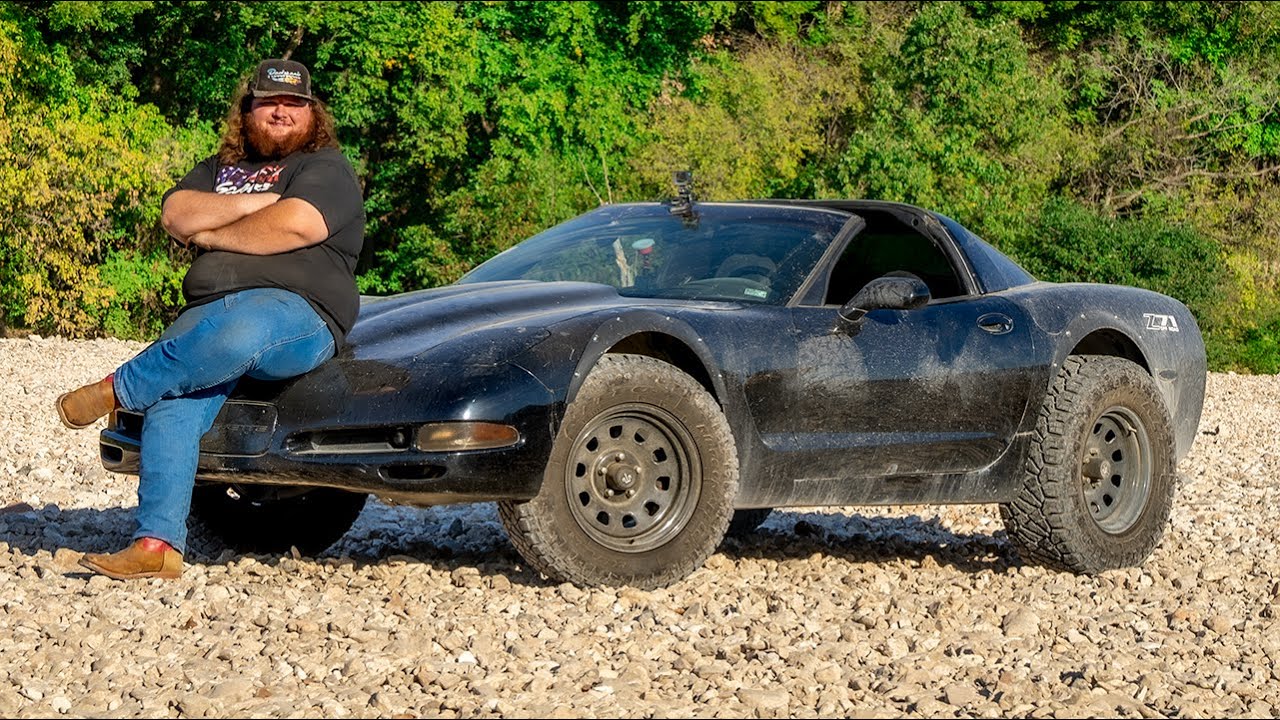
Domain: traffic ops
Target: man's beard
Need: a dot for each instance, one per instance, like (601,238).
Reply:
(264,146)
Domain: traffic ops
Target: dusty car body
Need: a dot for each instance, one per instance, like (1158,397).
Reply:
(624,382)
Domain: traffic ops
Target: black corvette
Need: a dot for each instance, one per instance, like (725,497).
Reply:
(628,383)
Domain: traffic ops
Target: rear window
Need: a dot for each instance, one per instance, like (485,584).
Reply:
(994,269)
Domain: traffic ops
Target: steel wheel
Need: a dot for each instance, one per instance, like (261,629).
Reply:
(1100,470)
(1116,470)
(640,483)
(631,478)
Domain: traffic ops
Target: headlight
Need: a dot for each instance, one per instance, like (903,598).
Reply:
(455,436)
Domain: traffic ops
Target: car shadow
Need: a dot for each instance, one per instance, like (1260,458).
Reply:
(448,538)
(51,528)
(854,538)
(469,542)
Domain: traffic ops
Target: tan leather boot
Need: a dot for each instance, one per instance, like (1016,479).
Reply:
(145,558)
(82,407)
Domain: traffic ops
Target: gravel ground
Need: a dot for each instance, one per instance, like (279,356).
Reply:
(919,611)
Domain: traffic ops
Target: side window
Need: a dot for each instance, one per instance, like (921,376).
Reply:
(886,245)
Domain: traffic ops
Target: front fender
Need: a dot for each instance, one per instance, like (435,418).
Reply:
(563,360)
(622,326)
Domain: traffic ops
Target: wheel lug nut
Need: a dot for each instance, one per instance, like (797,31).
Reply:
(631,493)
(600,471)
(608,492)
(619,457)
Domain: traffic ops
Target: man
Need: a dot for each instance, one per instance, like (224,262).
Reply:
(277,222)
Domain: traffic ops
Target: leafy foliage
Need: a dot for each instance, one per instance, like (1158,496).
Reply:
(77,181)
(959,118)
(1119,142)
(758,126)
(1071,243)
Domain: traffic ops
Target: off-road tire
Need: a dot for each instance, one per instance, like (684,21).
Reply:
(1085,511)
(263,519)
(639,424)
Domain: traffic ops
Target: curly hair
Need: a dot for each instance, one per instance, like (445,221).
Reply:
(234,146)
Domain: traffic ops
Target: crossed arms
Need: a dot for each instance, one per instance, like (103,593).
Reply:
(252,223)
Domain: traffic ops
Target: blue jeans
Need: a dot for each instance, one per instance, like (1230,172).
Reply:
(181,381)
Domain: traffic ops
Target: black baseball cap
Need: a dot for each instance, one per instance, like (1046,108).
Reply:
(281,77)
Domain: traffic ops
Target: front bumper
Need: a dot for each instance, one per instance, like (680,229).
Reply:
(360,446)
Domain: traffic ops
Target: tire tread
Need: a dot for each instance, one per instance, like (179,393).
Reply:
(549,550)
(1043,520)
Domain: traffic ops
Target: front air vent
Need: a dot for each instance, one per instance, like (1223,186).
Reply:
(350,441)
(243,428)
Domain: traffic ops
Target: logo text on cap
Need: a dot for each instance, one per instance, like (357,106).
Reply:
(291,77)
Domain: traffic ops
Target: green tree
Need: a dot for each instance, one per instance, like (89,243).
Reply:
(959,117)
(761,124)
(1124,142)
(77,167)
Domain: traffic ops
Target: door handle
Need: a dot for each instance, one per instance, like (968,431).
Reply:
(996,323)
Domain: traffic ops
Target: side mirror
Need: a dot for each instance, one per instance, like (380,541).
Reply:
(890,292)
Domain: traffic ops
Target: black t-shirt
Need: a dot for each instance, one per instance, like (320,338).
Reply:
(324,273)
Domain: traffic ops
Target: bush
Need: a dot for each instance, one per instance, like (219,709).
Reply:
(757,127)
(81,173)
(1071,243)
(957,116)
(1260,350)
(146,292)
(475,125)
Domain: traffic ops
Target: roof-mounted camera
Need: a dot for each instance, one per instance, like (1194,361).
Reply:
(682,204)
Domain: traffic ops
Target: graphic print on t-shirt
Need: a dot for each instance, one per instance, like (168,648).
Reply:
(233,180)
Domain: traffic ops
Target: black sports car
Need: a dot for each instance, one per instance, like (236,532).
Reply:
(630,381)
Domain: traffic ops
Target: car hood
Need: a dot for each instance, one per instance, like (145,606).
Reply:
(480,323)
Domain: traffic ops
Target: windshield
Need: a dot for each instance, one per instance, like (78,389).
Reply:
(751,253)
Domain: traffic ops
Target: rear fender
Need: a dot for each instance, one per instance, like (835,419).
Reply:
(1155,331)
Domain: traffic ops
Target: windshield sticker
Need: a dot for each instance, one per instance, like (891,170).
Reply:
(756,293)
